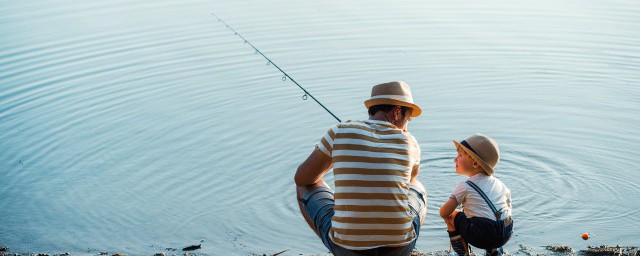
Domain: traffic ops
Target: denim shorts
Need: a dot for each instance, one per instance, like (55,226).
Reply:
(319,205)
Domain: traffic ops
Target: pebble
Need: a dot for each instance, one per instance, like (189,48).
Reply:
(192,247)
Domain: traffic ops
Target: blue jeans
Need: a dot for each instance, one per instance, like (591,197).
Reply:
(319,205)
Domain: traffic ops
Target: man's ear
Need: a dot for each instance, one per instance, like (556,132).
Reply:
(397,111)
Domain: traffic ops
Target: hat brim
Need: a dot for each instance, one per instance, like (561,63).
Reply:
(485,167)
(373,102)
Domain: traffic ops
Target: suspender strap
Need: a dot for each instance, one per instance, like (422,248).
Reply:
(486,199)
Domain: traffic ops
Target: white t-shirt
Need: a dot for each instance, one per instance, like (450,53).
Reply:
(474,205)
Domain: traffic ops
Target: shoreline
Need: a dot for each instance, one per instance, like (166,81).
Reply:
(557,250)
(548,250)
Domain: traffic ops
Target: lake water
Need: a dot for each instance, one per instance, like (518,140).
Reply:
(133,126)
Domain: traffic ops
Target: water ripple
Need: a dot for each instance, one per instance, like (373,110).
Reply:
(151,123)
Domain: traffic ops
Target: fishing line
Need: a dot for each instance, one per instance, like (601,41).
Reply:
(269,62)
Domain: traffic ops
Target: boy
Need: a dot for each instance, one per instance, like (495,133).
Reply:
(486,220)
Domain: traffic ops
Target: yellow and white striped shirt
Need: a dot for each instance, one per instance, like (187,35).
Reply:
(372,164)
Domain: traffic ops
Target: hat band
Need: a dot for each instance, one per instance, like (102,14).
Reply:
(464,143)
(394,97)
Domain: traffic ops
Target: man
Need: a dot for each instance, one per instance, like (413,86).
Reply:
(378,206)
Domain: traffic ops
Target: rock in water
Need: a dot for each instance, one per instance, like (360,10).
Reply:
(191,248)
(559,248)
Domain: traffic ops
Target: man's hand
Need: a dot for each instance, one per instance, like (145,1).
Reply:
(313,169)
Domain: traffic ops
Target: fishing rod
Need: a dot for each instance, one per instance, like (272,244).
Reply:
(306,93)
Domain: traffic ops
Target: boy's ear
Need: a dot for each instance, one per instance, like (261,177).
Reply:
(476,164)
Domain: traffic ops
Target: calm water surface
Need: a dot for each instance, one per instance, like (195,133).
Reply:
(133,126)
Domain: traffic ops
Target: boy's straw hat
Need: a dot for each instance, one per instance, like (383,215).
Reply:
(482,149)
(393,93)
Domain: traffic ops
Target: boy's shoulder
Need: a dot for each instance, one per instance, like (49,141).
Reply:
(488,182)
(499,181)
(461,187)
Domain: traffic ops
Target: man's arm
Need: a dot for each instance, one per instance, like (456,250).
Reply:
(313,168)
(414,172)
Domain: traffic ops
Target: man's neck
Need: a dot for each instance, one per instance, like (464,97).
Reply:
(379,116)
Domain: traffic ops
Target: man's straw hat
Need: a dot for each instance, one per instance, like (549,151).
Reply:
(482,149)
(393,93)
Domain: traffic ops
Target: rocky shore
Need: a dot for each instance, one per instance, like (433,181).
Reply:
(549,250)
(559,250)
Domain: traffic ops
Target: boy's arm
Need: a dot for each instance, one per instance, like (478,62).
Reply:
(448,207)
(313,168)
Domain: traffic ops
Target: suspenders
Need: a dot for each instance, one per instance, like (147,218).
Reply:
(505,226)
(497,213)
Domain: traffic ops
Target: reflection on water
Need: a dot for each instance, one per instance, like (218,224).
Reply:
(139,126)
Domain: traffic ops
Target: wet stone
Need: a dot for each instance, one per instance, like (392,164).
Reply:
(192,247)
(607,250)
(559,248)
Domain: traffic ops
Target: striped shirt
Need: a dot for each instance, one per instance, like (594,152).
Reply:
(372,164)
